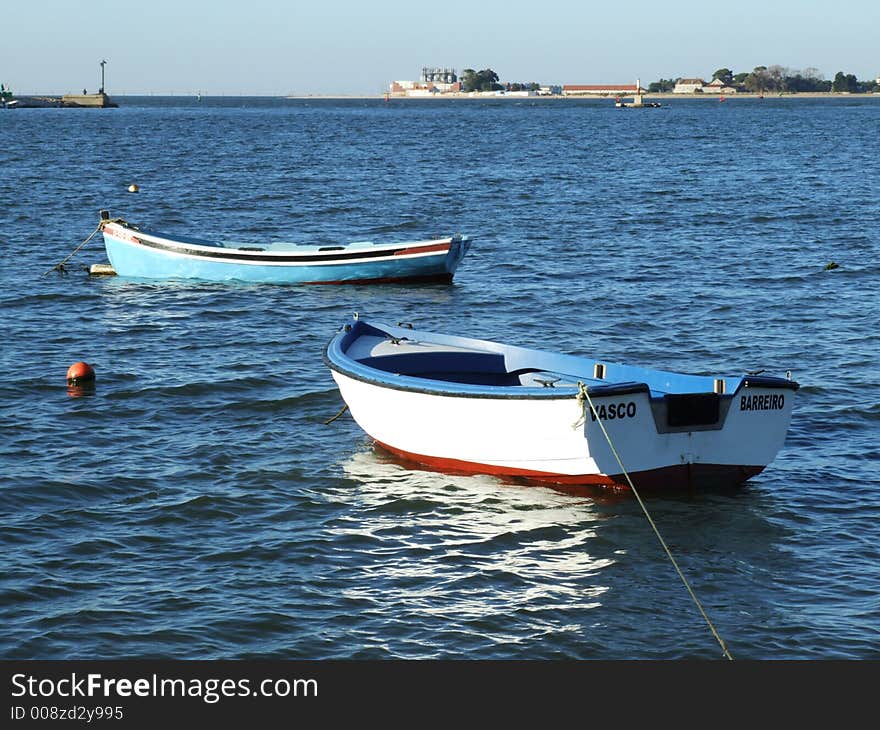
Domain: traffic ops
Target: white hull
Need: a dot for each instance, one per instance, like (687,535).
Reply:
(539,437)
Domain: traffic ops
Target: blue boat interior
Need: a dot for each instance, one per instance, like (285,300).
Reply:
(479,368)
(469,362)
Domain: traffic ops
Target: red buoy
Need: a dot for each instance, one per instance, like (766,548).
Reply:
(80,372)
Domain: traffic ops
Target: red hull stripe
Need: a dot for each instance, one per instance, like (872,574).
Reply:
(684,476)
(470,467)
(422,249)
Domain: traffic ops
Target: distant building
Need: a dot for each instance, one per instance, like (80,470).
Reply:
(399,88)
(717,86)
(601,89)
(422,88)
(689,86)
(431,74)
(432,81)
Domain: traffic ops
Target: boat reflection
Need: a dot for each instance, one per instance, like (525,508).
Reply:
(376,466)
(470,545)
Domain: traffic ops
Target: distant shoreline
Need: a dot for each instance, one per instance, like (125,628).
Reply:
(651,95)
(665,96)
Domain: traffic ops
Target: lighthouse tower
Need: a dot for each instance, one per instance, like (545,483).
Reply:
(637,98)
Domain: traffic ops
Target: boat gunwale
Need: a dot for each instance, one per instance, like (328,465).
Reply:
(350,367)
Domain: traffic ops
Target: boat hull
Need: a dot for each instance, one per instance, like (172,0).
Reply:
(136,254)
(556,435)
(537,439)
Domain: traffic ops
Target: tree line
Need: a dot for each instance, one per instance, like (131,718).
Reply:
(760,80)
(487,80)
(780,79)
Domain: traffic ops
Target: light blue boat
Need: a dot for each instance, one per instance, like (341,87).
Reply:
(136,253)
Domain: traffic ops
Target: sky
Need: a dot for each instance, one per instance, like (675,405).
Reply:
(344,47)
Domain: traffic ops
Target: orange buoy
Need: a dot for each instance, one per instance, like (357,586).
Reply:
(80,372)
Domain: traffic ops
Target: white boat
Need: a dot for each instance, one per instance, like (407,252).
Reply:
(134,252)
(474,406)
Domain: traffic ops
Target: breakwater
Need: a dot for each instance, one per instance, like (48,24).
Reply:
(69,101)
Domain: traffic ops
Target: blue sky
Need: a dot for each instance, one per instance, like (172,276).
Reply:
(345,47)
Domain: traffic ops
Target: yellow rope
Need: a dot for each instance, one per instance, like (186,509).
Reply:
(60,266)
(583,396)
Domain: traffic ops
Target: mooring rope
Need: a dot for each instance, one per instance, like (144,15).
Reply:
(584,396)
(60,265)
(344,409)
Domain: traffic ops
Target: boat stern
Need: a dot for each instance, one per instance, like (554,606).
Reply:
(688,440)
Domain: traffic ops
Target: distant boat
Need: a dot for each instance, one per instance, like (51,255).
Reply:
(137,253)
(473,406)
(620,104)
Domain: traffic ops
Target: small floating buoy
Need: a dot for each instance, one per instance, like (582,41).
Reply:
(79,373)
(102,270)
(831,265)
(133,188)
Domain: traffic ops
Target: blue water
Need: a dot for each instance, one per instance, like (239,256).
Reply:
(196,505)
